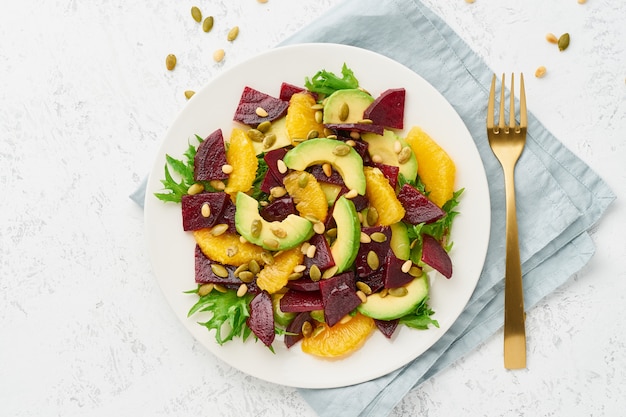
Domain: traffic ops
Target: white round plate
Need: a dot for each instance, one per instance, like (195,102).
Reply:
(172,250)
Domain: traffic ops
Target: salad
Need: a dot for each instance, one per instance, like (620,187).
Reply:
(316,219)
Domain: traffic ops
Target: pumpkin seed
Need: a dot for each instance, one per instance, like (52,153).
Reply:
(344,112)
(207,25)
(170,62)
(264,126)
(330,272)
(332,233)
(196,188)
(312,134)
(314,273)
(345,319)
(189,94)
(232,35)
(372,216)
(269,140)
(341,150)
(318,330)
(271,243)
(366,122)
(378,237)
(365,238)
(218,185)
(254,266)
(404,155)
(218,55)
(205,289)
(351,194)
(219,270)
(241,268)
(278,231)
(299,268)
(255,135)
(563,42)
(255,227)
(196,14)
(372,260)
(278,192)
(303,180)
(383,293)
(398,291)
(231,251)
(246,276)
(220,288)
(205,210)
(415,272)
(319,115)
(242,290)
(362,286)
(377,158)
(307,329)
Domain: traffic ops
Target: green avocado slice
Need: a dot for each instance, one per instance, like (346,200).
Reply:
(390,307)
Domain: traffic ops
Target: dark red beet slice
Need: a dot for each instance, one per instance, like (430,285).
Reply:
(261,320)
(192,209)
(278,209)
(205,274)
(210,157)
(339,296)
(318,172)
(393,276)
(386,327)
(419,209)
(252,99)
(287,90)
(390,172)
(356,127)
(295,327)
(380,249)
(323,258)
(303,284)
(388,109)
(435,256)
(228,216)
(360,201)
(271,159)
(374,281)
(299,301)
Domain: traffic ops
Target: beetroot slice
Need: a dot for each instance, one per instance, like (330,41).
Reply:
(287,90)
(279,209)
(356,127)
(273,178)
(251,100)
(210,158)
(418,208)
(390,172)
(261,320)
(295,327)
(323,258)
(339,297)
(191,205)
(393,276)
(318,172)
(205,274)
(386,327)
(435,256)
(381,249)
(299,301)
(388,109)
(303,284)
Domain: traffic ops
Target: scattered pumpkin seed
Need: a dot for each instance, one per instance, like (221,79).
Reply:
(231,251)
(271,243)
(404,155)
(415,271)
(242,290)
(254,266)
(341,150)
(319,115)
(332,233)
(264,126)
(294,276)
(377,158)
(314,273)
(207,25)
(303,180)
(299,268)
(195,188)
(220,288)
(269,140)
(362,286)
(278,192)
(246,276)
(344,111)
(398,291)
(383,293)
(312,134)
(219,229)
(219,270)
(318,330)
(372,260)
(345,319)
(241,268)
(278,231)
(205,289)
(378,237)
(196,14)
(362,296)
(218,55)
(205,210)
(233,33)
(189,94)
(365,238)
(372,216)
(307,329)
(255,135)
(563,42)
(170,62)
(366,121)
(330,272)
(255,228)
(218,185)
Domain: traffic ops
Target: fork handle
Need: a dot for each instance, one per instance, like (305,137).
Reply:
(514,316)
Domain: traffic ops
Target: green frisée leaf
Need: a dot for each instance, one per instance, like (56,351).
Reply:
(326,82)
(184,169)
(420,318)
(228,314)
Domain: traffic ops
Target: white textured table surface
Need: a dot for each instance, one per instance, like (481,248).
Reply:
(84,102)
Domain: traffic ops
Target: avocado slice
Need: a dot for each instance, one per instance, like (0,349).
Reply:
(295,229)
(345,248)
(390,307)
(322,150)
(384,146)
(357,101)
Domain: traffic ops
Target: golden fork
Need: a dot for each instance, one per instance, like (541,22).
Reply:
(507,143)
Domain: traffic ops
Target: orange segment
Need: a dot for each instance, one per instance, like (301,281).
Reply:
(434,166)
(227,248)
(301,117)
(274,277)
(382,197)
(307,193)
(339,340)
(241,156)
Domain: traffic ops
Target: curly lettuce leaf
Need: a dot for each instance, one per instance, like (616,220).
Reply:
(175,190)
(325,82)
(420,318)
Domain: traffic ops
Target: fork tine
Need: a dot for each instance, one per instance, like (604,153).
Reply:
(512,101)
(501,124)
(491,103)
(523,122)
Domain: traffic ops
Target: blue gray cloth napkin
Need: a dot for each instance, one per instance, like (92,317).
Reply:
(558,196)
